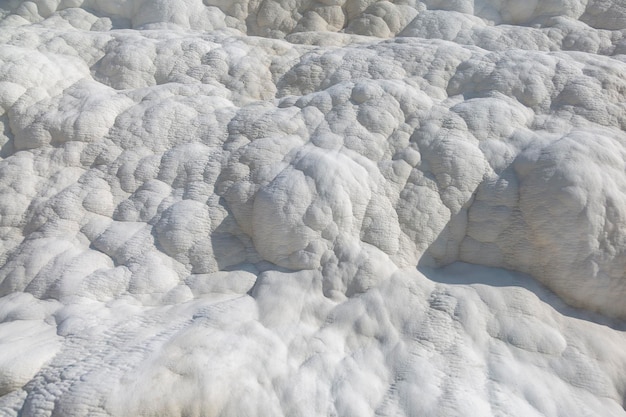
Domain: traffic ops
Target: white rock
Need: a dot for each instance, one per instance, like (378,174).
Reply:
(312,208)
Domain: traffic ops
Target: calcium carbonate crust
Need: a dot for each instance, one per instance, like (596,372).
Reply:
(312,208)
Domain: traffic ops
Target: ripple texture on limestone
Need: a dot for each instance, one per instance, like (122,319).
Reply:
(205,201)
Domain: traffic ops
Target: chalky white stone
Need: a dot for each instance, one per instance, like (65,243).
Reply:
(312,208)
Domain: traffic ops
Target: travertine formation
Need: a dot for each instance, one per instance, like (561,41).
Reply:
(312,208)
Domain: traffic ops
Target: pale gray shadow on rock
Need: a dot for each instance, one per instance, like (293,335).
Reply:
(451,271)
(462,273)
(7,149)
(230,248)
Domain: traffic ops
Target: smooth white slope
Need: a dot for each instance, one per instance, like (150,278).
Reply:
(218,208)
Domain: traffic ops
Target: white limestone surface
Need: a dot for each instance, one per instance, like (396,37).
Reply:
(312,208)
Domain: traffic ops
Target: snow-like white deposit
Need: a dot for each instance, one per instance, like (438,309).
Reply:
(310,208)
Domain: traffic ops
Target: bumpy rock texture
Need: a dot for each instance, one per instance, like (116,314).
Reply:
(312,208)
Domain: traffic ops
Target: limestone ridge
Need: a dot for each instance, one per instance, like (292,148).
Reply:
(202,202)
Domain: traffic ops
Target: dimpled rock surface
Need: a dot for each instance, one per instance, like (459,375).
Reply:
(228,208)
